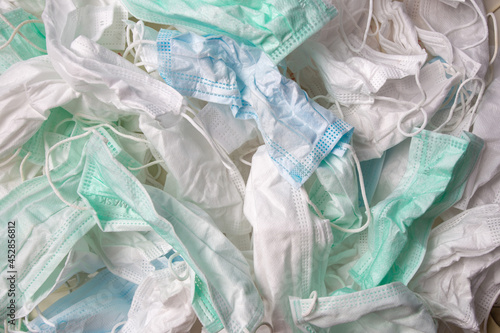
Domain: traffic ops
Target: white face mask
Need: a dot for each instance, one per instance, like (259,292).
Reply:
(193,165)
(463,23)
(161,304)
(290,254)
(388,308)
(107,76)
(482,186)
(455,295)
(388,121)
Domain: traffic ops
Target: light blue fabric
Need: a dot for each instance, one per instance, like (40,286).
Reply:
(298,132)
(95,307)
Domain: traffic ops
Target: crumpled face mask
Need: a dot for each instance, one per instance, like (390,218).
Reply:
(290,254)
(388,308)
(459,277)
(95,71)
(462,23)
(98,305)
(46,229)
(16,47)
(437,169)
(480,189)
(298,132)
(161,304)
(276,27)
(220,271)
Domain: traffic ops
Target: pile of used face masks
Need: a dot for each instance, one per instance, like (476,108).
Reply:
(244,166)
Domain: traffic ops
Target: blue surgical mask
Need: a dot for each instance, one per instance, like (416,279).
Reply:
(97,306)
(298,132)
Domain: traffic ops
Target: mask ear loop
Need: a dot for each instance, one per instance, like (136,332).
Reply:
(365,35)
(7,161)
(363,194)
(332,101)
(312,307)
(16,30)
(113,330)
(474,108)
(242,160)
(416,107)
(45,320)
(495,30)
(22,166)
(205,135)
(171,266)
(261,324)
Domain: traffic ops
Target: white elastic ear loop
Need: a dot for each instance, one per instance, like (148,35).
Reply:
(476,105)
(7,161)
(365,35)
(332,101)
(171,266)
(261,324)
(21,172)
(495,30)
(17,31)
(416,107)
(113,330)
(242,160)
(206,136)
(45,320)
(26,322)
(454,105)
(312,307)
(363,194)
(47,171)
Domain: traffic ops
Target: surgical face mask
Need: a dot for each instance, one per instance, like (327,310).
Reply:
(388,121)
(44,238)
(290,254)
(298,132)
(458,296)
(161,304)
(220,272)
(194,164)
(437,169)
(479,189)
(276,27)
(352,78)
(388,308)
(108,77)
(98,305)
(14,47)
(463,23)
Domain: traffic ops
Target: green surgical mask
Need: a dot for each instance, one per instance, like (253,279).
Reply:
(438,167)
(276,27)
(19,48)
(46,230)
(223,292)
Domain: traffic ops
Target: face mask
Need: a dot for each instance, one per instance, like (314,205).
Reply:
(388,308)
(487,169)
(462,23)
(434,180)
(246,79)
(108,77)
(277,28)
(290,254)
(189,175)
(43,239)
(161,304)
(220,272)
(98,305)
(458,296)
(377,132)
(351,78)
(335,194)
(20,48)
